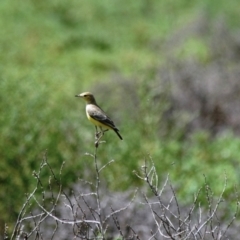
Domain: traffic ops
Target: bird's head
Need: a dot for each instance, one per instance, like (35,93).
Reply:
(87,96)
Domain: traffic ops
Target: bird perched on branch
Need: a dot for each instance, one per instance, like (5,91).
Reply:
(97,116)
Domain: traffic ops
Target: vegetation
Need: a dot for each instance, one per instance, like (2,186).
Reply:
(92,212)
(136,55)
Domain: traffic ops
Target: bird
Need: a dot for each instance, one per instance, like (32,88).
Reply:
(97,116)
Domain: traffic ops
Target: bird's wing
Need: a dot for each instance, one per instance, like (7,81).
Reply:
(99,115)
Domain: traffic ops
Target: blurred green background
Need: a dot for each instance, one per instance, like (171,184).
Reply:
(146,61)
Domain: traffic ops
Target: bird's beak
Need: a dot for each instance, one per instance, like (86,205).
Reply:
(79,95)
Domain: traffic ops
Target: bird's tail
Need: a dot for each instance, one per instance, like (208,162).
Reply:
(116,131)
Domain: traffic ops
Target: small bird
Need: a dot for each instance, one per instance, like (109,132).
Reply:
(97,116)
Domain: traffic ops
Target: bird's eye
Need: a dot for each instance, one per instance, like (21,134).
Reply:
(85,95)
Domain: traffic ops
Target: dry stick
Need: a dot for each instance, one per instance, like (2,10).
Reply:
(82,211)
(49,213)
(92,211)
(105,165)
(153,235)
(71,206)
(70,222)
(200,217)
(189,215)
(212,214)
(209,196)
(82,196)
(51,190)
(234,216)
(215,208)
(115,219)
(167,208)
(178,209)
(33,217)
(42,218)
(37,225)
(5,234)
(121,209)
(98,138)
(21,214)
(54,202)
(154,173)
(167,224)
(17,226)
(100,227)
(155,220)
(195,230)
(133,232)
(60,189)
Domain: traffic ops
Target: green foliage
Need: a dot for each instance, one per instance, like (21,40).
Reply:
(203,156)
(51,50)
(195,49)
